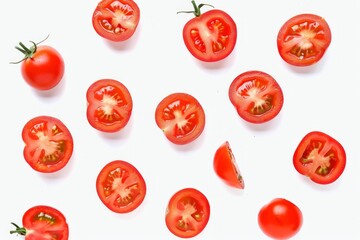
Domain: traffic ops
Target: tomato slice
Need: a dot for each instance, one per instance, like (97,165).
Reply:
(48,144)
(187,213)
(43,223)
(181,117)
(109,105)
(320,157)
(257,96)
(226,168)
(116,20)
(210,36)
(303,39)
(120,186)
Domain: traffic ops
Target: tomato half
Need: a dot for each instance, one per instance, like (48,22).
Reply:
(181,117)
(48,144)
(120,186)
(210,36)
(303,39)
(280,219)
(109,105)
(226,168)
(116,20)
(42,66)
(257,96)
(187,213)
(320,157)
(43,223)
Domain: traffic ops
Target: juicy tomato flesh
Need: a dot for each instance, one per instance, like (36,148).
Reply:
(181,117)
(45,223)
(187,213)
(211,36)
(256,96)
(116,20)
(121,187)
(109,105)
(320,157)
(48,144)
(226,167)
(303,39)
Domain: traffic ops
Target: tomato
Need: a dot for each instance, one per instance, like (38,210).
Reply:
(210,36)
(181,117)
(226,168)
(42,66)
(257,96)
(43,223)
(303,39)
(48,144)
(116,20)
(280,219)
(187,213)
(320,157)
(120,186)
(109,105)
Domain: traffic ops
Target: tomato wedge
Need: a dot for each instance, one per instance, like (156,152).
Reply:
(303,39)
(48,144)
(226,168)
(43,223)
(257,96)
(116,20)
(120,186)
(109,105)
(320,157)
(187,213)
(181,117)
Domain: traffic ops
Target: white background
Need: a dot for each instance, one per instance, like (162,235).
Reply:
(155,63)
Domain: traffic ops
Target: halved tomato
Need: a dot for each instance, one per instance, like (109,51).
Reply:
(303,39)
(181,117)
(226,168)
(187,213)
(320,157)
(48,144)
(120,186)
(257,96)
(109,105)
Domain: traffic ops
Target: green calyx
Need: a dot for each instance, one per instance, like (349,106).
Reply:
(197,8)
(28,52)
(18,230)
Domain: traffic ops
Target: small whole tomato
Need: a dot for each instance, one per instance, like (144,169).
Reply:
(116,20)
(280,219)
(303,39)
(226,168)
(187,213)
(209,36)
(320,157)
(42,66)
(43,222)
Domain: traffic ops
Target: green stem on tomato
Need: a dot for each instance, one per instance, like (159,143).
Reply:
(18,230)
(197,8)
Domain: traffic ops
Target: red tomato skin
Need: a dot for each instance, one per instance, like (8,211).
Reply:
(252,86)
(130,176)
(208,22)
(318,40)
(105,10)
(45,69)
(169,116)
(38,228)
(226,168)
(280,219)
(36,135)
(326,148)
(116,97)
(178,207)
